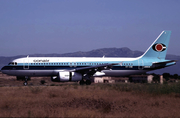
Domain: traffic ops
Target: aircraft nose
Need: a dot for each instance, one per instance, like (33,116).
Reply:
(4,70)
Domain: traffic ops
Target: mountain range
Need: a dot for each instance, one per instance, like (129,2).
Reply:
(107,52)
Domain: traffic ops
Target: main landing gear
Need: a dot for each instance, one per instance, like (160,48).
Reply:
(87,82)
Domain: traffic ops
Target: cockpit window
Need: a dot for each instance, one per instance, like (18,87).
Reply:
(12,63)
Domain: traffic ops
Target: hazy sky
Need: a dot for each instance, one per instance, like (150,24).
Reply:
(61,26)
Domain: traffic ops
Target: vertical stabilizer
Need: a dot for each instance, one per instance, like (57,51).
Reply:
(159,47)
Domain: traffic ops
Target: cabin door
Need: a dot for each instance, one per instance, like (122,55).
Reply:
(140,64)
(26,63)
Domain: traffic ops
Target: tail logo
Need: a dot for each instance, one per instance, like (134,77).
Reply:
(159,47)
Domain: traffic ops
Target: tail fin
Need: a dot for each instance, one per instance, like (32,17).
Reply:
(159,47)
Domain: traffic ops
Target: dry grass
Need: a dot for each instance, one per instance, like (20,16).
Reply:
(83,101)
(96,100)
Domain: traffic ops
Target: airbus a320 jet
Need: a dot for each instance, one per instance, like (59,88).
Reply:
(65,69)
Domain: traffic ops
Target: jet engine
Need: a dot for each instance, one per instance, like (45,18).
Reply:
(65,76)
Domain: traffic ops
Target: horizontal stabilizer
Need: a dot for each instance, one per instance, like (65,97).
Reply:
(163,64)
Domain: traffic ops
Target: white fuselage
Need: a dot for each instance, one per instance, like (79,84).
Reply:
(50,66)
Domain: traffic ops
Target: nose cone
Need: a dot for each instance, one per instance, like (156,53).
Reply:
(4,70)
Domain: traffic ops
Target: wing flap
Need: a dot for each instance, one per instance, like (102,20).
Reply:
(93,69)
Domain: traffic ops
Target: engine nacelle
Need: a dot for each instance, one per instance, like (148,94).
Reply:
(65,76)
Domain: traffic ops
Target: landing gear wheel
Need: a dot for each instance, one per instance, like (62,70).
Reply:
(25,83)
(81,82)
(88,82)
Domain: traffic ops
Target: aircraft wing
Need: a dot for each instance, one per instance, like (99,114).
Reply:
(93,69)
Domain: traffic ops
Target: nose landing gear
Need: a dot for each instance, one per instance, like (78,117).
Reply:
(25,79)
(25,83)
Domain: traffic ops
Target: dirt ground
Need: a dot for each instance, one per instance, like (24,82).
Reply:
(72,100)
(6,80)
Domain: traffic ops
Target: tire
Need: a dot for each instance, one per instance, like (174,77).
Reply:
(81,82)
(25,83)
(88,82)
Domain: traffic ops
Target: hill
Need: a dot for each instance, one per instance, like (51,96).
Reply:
(107,52)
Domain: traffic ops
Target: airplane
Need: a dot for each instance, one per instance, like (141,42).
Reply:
(81,69)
